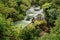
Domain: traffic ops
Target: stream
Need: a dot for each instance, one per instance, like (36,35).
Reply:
(31,13)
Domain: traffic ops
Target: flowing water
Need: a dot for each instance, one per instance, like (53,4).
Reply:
(30,14)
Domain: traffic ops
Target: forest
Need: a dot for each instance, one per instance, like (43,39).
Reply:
(12,11)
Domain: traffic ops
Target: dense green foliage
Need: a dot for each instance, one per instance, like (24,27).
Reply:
(14,10)
(55,32)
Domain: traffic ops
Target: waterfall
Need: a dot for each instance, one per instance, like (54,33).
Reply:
(31,13)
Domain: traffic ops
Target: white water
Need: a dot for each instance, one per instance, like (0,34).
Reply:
(30,13)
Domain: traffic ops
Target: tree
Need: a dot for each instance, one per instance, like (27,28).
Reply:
(53,32)
(50,13)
